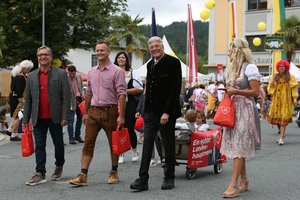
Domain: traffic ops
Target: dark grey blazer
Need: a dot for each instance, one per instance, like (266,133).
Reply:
(58,92)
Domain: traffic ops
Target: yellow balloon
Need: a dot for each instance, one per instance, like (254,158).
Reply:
(56,62)
(204,14)
(261,26)
(256,41)
(210,4)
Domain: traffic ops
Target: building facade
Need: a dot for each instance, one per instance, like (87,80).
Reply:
(248,14)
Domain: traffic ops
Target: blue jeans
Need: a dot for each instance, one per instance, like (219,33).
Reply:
(71,116)
(40,137)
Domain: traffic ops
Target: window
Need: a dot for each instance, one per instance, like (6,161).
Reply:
(290,3)
(253,48)
(94,60)
(257,4)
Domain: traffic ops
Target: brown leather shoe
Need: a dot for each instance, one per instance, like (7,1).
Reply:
(113,177)
(80,180)
(56,176)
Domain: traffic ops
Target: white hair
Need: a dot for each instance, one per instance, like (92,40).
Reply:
(19,67)
(16,70)
(26,64)
(155,38)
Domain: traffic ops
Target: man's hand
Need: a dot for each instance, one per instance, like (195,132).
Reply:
(164,119)
(85,117)
(120,121)
(63,122)
(137,115)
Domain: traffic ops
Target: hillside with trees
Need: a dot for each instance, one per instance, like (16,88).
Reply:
(176,34)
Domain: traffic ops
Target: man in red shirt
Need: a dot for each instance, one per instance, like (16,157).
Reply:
(47,101)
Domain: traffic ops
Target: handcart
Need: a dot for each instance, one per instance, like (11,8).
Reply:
(201,149)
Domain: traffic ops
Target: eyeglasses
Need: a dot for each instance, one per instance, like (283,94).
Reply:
(43,54)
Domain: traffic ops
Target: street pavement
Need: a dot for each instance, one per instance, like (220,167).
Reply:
(273,174)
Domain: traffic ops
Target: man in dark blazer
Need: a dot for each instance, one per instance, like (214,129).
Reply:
(47,101)
(162,108)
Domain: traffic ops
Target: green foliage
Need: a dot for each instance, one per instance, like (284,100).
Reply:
(176,34)
(291,32)
(2,42)
(68,24)
(125,34)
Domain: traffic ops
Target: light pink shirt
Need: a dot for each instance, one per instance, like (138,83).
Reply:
(75,87)
(106,85)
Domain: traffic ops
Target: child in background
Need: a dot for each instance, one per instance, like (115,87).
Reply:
(201,124)
(190,121)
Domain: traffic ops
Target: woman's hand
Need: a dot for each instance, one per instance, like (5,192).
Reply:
(232,91)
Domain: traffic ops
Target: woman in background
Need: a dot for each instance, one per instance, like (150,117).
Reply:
(16,96)
(134,90)
(283,88)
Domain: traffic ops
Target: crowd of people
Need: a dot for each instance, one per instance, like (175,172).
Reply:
(115,97)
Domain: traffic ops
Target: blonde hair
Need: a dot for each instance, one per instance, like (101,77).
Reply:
(241,53)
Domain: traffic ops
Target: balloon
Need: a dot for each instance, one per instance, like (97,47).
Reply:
(210,4)
(256,41)
(204,15)
(261,26)
(56,62)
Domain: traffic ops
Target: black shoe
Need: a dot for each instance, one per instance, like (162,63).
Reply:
(7,133)
(139,185)
(79,139)
(72,141)
(17,138)
(168,184)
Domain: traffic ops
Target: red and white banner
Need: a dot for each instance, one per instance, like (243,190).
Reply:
(192,52)
(205,149)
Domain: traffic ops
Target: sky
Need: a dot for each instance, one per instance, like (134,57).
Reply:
(166,11)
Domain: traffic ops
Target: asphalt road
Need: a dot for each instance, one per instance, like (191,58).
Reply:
(273,173)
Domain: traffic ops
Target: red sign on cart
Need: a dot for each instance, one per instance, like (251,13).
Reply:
(205,148)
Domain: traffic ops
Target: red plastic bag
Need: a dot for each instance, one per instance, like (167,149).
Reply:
(139,123)
(27,143)
(81,107)
(120,141)
(225,113)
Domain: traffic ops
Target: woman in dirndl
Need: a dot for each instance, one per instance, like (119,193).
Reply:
(241,142)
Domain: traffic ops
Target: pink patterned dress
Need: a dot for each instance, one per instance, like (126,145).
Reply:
(242,140)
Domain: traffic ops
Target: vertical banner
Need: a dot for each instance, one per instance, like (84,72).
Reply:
(192,58)
(232,21)
(278,21)
(153,25)
(220,75)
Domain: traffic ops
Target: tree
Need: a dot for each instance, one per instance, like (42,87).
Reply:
(291,32)
(125,30)
(68,24)
(2,43)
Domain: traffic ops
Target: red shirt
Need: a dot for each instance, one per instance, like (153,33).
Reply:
(44,106)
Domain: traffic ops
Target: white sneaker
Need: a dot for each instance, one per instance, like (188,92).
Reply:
(280,142)
(152,163)
(135,155)
(121,159)
(278,138)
